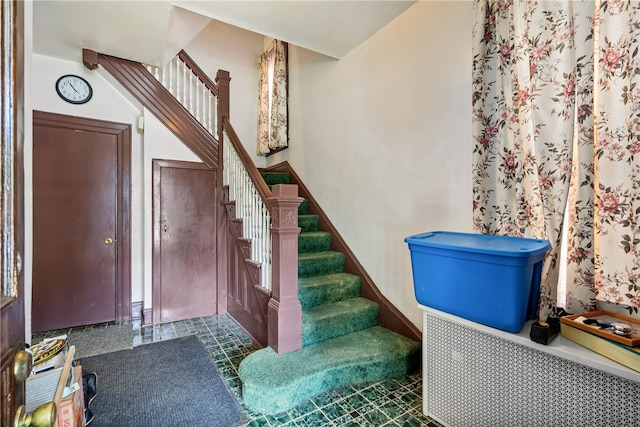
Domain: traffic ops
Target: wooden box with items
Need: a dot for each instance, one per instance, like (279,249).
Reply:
(612,335)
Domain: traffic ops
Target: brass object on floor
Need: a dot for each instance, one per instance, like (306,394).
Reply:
(43,416)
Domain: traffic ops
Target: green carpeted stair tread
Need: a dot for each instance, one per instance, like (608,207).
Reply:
(273,178)
(314,241)
(303,209)
(317,290)
(327,321)
(309,222)
(320,263)
(273,383)
(342,343)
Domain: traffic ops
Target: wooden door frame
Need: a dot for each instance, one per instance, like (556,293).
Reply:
(12,254)
(122,132)
(156,291)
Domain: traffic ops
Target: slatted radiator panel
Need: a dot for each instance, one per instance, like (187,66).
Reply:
(472,378)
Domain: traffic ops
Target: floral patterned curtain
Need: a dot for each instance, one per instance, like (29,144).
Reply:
(617,156)
(272,99)
(539,145)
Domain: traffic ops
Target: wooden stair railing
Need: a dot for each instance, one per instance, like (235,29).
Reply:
(192,88)
(195,111)
(150,92)
(284,313)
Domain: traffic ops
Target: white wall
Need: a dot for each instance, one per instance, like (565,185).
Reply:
(382,138)
(210,50)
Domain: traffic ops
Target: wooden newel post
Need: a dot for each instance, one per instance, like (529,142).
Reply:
(285,311)
(222,80)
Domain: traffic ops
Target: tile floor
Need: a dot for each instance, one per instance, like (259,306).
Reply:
(390,403)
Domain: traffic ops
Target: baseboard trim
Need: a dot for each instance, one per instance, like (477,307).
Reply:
(147,317)
(136,310)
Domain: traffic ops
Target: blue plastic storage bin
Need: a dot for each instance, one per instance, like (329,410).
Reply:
(493,280)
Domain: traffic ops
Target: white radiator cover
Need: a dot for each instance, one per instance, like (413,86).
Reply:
(478,376)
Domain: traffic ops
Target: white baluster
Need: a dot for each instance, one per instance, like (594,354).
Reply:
(225,160)
(254,234)
(267,246)
(251,209)
(216,124)
(247,203)
(176,80)
(185,86)
(172,76)
(199,91)
(206,106)
(245,230)
(189,101)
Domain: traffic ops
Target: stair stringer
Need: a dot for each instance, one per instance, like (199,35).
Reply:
(137,80)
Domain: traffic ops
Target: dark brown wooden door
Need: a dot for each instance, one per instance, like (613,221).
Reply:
(76,195)
(184,230)
(12,316)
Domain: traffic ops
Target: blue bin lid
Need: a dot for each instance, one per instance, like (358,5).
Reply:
(480,243)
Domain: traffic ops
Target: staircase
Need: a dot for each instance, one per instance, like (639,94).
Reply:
(342,342)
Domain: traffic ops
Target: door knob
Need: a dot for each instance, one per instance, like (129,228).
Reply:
(22,363)
(108,240)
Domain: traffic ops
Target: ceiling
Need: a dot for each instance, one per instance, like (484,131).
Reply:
(153,31)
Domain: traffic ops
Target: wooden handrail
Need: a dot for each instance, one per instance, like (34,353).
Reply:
(135,77)
(252,171)
(190,63)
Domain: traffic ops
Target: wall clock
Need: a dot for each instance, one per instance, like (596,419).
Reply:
(74,89)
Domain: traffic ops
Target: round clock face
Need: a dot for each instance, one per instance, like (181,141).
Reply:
(74,89)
